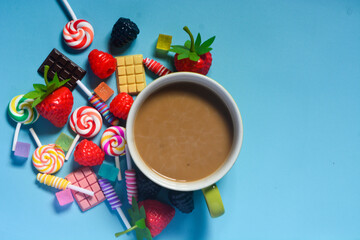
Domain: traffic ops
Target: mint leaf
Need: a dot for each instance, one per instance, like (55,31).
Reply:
(183,55)
(193,56)
(142,212)
(197,41)
(188,44)
(178,49)
(51,88)
(208,42)
(62,83)
(36,102)
(140,223)
(32,95)
(56,80)
(39,87)
(202,50)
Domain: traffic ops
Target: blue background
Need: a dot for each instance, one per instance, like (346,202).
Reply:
(291,66)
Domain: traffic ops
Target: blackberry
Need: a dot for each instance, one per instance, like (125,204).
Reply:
(147,189)
(183,201)
(123,32)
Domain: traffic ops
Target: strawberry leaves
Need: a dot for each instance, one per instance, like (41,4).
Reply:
(138,221)
(192,49)
(41,91)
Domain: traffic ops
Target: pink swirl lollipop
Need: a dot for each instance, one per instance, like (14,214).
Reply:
(78,33)
(86,122)
(113,143)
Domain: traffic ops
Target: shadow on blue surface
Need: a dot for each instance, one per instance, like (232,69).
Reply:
(195,224)
(17,161)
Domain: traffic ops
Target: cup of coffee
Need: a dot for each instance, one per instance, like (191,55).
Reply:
(184,132)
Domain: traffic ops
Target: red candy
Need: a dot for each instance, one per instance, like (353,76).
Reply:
(121,104)
(102,63)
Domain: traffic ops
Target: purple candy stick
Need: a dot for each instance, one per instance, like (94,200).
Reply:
(113,199)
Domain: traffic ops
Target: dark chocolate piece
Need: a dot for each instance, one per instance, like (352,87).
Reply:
(64,67)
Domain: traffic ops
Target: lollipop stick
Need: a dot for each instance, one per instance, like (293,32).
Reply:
(37,140)
(117,164)
(124,219)
(67,5)
(68,154)
(85,89)
(82,190)
(128,159)
(16,135)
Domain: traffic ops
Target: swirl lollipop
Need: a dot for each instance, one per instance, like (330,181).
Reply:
(113,144)
(78,33)
(47,158)
(20,111)
(86,122)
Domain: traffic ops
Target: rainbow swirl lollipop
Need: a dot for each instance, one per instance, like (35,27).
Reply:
(48,158)
(20,111)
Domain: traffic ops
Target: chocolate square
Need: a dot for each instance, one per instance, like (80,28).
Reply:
(64,67)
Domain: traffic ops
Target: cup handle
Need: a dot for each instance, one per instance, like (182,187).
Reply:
(213,201)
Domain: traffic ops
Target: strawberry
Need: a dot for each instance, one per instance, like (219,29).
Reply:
(102,63)
(53,101)
(193,56)
(88,153)
(149,218)
(158,215)
(121,104)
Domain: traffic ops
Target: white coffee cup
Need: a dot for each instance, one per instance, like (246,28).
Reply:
(207,184)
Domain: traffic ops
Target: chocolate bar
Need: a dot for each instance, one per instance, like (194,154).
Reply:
(64,67)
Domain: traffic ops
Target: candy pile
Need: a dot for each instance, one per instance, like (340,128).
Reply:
(54,101)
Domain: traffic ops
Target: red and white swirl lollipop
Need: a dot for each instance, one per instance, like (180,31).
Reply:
(86,122)
(78,33)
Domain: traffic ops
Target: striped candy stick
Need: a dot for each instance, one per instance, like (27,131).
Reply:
(60,183)
(101,106)
(113,199)
(131,186)
(130,178)
(156,67)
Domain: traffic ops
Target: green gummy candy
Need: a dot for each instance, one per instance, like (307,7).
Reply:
(64,141)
